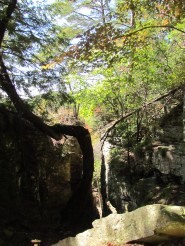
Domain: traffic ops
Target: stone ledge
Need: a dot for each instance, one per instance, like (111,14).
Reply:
(151,223)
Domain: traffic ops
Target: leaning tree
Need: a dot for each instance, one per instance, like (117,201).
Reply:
(23,30)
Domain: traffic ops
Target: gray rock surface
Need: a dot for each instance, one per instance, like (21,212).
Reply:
(150,172)
(152,223)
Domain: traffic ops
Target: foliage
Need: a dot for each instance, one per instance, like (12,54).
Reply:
(29,40)
(111,57)
(48,103)
(132,61)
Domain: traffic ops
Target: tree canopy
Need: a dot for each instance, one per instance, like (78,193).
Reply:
(126,54)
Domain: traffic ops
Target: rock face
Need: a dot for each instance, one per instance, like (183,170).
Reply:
(151,224)
(37,175)
(150,173)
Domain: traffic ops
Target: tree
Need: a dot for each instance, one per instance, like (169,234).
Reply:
(134,57)
(137,54)
(14,16)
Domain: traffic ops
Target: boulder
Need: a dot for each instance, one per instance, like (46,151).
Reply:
(149,224)
(37,174)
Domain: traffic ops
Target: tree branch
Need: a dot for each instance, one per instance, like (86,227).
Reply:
(86,16)
(80,197)
(146,27)
(111,125)
(4,22)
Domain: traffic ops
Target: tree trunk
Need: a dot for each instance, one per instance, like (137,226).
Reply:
(184,114)
(83,191)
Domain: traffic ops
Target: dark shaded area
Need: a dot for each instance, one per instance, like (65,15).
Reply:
(39,185)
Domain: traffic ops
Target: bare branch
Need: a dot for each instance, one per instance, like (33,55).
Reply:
(111,125)
(86,16)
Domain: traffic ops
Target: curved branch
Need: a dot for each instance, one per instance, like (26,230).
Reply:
(56,131)
(111,125)
(20,106)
